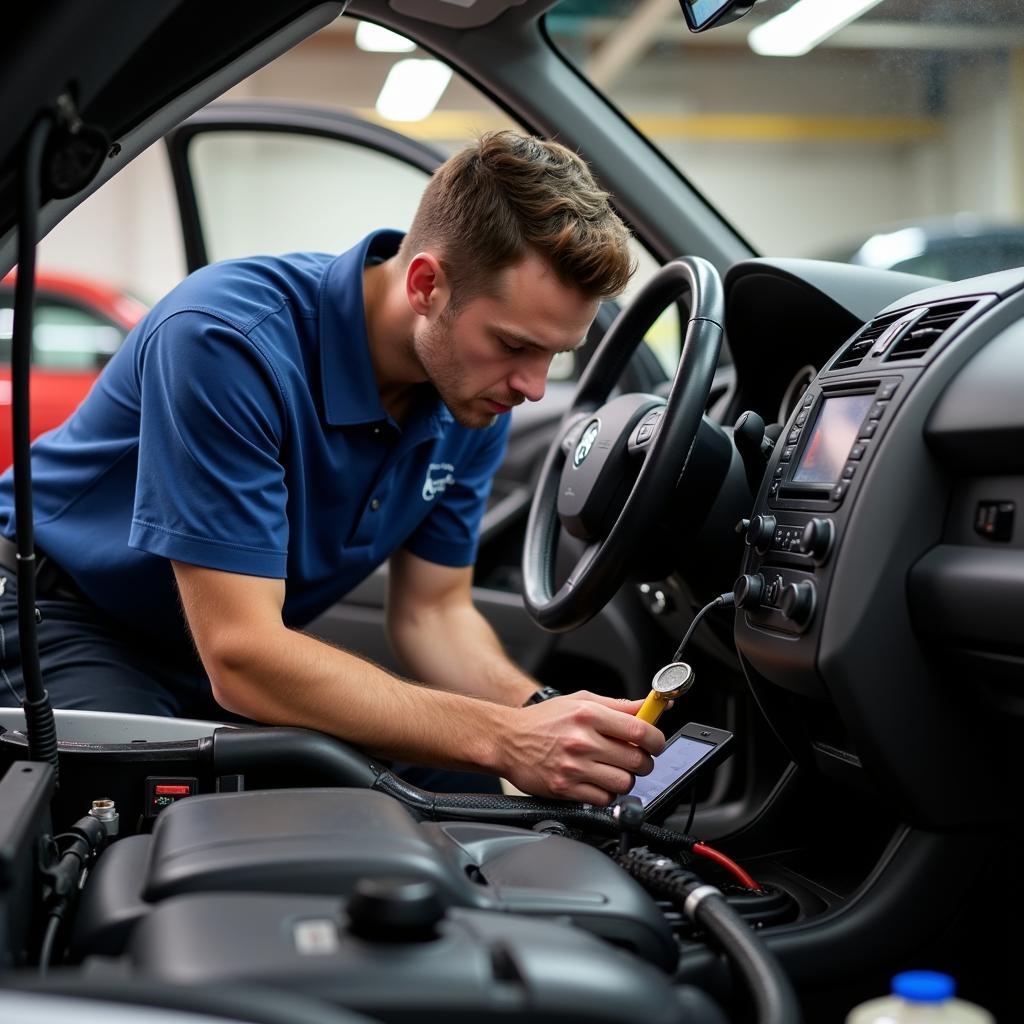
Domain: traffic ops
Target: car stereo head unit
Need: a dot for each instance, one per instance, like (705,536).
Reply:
(830,441)
(835,430)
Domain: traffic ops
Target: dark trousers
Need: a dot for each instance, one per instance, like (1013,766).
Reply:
(91,663)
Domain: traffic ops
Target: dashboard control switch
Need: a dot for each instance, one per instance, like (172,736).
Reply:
(993,520)
(761,532)
(797,602)
(817,539)
(748,589)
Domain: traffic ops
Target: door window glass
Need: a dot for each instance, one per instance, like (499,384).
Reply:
(274,192)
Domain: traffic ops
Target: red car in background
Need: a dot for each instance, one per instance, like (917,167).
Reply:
(80,323)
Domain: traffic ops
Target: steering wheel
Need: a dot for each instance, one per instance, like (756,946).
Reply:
(589,482)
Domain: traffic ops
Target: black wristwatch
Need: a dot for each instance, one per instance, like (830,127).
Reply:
(541,695)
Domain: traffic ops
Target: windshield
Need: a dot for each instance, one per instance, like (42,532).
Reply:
(897,141)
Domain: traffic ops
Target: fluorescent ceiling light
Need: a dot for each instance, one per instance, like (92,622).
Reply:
(377,39)
(804,25)
(412,89)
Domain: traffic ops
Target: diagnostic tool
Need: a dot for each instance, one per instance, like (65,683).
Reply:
(668,683)
(693,749)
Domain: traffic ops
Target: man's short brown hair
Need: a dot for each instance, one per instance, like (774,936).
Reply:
(490,205)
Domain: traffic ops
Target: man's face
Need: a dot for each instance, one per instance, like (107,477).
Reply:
(495,352)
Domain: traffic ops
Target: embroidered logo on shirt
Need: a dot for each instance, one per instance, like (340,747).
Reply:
(439,476)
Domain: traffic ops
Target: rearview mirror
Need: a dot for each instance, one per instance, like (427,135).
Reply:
(704,14)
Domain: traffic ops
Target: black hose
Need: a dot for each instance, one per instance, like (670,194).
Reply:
(284,751)
(40,729)
(775,1001)
(520,810)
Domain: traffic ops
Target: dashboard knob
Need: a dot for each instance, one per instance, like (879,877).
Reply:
(747,590)
(760,533)
(797,602)
(817,539)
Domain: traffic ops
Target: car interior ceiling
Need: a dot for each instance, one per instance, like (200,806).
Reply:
(824,507)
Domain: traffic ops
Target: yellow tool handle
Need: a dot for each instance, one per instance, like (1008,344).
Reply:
(652,707)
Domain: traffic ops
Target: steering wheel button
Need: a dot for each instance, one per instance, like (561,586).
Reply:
(645,431)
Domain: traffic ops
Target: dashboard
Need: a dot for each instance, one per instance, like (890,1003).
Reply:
(880,583)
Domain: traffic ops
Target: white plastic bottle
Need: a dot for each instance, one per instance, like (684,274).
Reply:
(920,997)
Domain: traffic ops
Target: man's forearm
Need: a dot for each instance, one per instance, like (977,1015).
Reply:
(454,648)
(293,679)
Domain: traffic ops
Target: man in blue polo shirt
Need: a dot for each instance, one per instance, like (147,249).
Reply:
(276,428)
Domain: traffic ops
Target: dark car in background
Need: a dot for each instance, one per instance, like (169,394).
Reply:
(950,248)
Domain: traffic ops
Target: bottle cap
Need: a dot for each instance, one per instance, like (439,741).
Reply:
(923,986)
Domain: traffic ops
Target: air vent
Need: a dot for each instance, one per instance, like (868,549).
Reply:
(861,345)
(932,326)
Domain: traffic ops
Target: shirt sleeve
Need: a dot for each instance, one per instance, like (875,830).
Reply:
(210,488)
(450,534)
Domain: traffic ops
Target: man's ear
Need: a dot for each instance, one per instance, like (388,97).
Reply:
(426,286)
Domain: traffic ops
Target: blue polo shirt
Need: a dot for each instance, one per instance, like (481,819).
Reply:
(239,428)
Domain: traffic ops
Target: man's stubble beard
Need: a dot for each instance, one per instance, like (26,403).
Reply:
(433,348)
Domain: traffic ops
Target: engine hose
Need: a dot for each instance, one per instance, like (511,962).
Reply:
(775,1001)
(521,810)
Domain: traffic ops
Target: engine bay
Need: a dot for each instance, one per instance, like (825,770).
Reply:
(223,857)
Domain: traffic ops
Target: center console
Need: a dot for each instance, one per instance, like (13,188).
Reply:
(812,481)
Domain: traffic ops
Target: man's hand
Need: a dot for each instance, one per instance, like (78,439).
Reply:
(579,747)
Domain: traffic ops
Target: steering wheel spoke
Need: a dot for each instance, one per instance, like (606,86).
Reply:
(590,484)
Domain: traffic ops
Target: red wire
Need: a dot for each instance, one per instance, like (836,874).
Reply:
(703,850)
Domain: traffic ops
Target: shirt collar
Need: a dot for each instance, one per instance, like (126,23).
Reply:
(349,385)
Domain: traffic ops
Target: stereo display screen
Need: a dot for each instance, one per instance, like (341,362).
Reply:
(835,431)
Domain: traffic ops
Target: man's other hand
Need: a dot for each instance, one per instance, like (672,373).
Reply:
(580,747)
